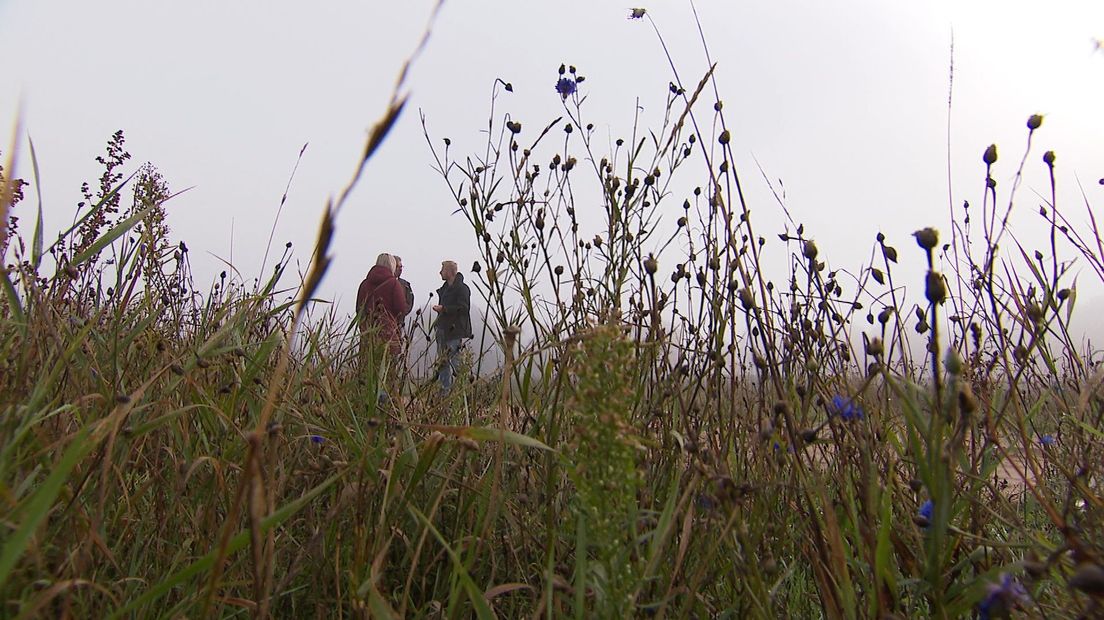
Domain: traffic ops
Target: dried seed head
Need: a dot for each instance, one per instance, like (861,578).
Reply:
(885,315)
(1034,313)
(990,156)
(874,347)
(747,300)
(967,404)
(1048,158)
(724,137)
(809,250)
(927,238)
(1034,121)
(934,288)
(1088,578)
(953,361)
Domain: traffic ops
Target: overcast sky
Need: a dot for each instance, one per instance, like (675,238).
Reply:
(845,102)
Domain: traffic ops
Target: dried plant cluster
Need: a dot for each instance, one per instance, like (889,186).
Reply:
(678,428)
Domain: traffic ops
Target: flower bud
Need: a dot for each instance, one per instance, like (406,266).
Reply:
(747,300)
(809,250)
(927,238)
(874,347)
(990,156)
(934,288)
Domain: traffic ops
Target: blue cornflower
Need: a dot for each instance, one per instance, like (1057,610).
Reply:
(1000,599)
(925,513)
(845,408)
(705,502)
(566,87)
(318,439)
(1047,440)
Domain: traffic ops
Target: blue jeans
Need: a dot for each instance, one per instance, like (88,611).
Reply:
(448,353)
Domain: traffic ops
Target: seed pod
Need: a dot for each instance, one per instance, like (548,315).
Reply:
(747,300)
(990,156)
(1034,121)
(1034,313)
(953,361)
(809,250)
(1088,578)
(651,265)
(874,347)
(934,288)
(927,238)
(966,401)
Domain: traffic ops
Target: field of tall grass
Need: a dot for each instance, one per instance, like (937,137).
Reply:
(679,429)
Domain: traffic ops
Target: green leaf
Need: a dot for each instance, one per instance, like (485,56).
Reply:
(13,300)
(38,506)
(236,544)
(488,433)
(36,244)
(106,239)
(378,606)
(479,602)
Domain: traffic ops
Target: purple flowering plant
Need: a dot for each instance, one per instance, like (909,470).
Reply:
(1001,598)
(847,409)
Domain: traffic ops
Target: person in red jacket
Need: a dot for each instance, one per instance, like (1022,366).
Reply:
(381,303)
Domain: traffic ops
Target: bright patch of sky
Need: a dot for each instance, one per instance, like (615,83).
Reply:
(843,104)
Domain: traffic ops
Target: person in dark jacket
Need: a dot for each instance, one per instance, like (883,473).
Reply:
(453,321)
(381,303)
(406,287)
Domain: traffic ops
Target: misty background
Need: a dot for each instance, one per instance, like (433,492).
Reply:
(844,105)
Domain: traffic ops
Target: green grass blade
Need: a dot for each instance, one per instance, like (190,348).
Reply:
(106,239)
(237,543)
(38,506)
(13,300)
(36,244)
(482,610)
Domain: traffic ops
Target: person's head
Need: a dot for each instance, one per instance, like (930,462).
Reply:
(449,270)
(386,260)
(398,264)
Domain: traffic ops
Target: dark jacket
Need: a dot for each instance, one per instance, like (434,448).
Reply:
(381,304)
(409,297)
(454,321)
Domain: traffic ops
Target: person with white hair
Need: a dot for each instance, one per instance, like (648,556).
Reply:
(381,303)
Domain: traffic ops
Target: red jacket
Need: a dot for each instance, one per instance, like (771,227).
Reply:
(381,304)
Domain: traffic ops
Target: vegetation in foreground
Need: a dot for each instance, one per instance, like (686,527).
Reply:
(677,431)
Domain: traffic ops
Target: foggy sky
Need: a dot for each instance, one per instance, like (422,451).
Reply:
(844,102)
